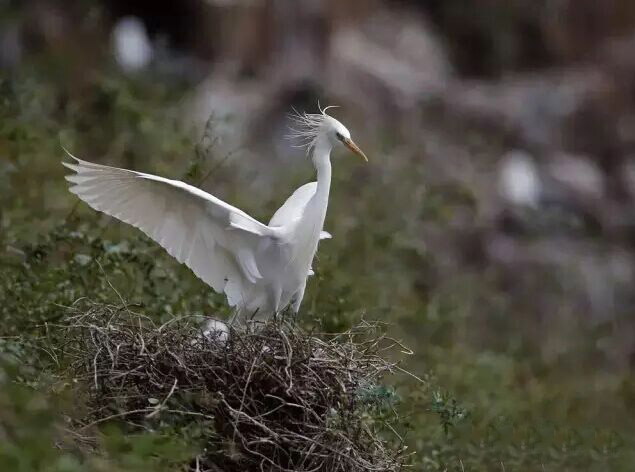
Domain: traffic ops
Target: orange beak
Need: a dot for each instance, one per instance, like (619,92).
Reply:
(353,147)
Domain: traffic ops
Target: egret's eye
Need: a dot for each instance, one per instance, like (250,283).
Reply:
(339,136)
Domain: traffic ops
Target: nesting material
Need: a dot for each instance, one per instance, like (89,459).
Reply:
(275,398)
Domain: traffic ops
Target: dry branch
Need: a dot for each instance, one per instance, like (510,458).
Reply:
(276,398)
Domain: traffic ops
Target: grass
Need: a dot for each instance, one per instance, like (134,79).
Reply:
(492,399)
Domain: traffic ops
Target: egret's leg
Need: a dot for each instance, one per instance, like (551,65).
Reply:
(298,298)
(275,293)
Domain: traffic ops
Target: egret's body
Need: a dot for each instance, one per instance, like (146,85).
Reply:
(262,269)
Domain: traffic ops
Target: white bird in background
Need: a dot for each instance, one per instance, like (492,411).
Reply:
(262,269)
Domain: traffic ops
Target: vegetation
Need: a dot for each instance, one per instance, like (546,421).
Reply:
(490,400)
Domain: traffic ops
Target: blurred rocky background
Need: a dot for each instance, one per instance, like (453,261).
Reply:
(501,138)
(527,105)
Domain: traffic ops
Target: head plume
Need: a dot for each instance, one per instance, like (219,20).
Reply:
(306,127)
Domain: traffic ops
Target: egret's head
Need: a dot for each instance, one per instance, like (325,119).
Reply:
(313,127)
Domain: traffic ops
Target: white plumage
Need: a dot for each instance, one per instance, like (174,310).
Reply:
(261,268)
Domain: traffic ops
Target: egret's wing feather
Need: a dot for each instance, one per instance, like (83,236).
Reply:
(293,208)
(214,239)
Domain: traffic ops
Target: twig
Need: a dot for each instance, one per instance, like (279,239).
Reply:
(284,399)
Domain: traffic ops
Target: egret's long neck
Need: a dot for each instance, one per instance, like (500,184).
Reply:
(307,232)
(322,162)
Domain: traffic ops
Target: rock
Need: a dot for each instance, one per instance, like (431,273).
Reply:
(578,174)
(518,179)
(131,45)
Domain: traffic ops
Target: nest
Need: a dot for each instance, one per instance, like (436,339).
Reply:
(276,398)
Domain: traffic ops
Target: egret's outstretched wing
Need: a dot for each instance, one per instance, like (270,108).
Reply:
(293,208)
(214,239)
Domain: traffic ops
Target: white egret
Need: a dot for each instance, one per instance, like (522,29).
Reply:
(262,269)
